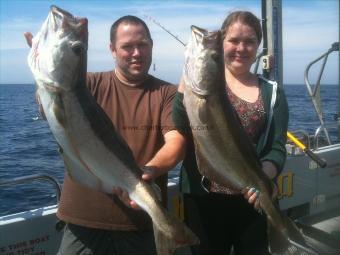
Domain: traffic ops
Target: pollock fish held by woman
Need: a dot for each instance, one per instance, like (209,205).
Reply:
(224,153)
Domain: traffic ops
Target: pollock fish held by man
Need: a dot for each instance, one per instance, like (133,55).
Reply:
(94,153)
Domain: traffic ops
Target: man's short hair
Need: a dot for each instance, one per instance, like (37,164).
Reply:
(128,19)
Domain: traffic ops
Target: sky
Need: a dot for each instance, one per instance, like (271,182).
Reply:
(309,29)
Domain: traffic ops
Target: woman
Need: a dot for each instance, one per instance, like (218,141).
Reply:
(224,217)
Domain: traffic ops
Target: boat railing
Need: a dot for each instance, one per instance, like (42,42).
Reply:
(317,135)
(34,177)
(311,141)
(303,136)
(319,139)
(314,91)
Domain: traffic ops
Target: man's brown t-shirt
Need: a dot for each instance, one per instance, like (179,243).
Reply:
(141,115)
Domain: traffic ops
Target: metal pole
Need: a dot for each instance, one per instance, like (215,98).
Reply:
(273,22)
(338,110)
(265,72)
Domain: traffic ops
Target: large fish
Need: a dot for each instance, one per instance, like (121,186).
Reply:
(223,152)
(94,153)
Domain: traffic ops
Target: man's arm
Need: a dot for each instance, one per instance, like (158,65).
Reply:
(169,155)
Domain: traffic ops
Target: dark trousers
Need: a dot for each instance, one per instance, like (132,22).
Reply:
(78,240)
(225,222)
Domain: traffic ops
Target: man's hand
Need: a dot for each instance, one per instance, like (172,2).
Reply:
(181,86)
(148,176)
(149,173)
(28,37)
(123,195)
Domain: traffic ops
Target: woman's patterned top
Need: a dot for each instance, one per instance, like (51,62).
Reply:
(252,118)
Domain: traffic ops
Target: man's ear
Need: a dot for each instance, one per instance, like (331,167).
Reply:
(113,50)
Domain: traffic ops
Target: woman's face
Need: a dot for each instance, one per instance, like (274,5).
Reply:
(240,46)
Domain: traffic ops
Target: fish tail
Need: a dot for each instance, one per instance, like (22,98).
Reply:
(278,240)
(288,240)
(178,235)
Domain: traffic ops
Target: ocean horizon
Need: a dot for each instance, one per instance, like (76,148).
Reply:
(27,146)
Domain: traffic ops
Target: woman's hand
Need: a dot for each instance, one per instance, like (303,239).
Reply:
(252,195)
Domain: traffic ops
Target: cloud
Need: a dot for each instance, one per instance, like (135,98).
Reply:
(314,27)
(309,28)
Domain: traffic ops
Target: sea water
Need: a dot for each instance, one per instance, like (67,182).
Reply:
(27,146)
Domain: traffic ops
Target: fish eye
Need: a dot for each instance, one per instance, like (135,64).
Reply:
(215,56)
(77,47)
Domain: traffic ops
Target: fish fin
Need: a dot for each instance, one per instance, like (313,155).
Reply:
(59,110)
(294,232)
(202,110)
(157,190)
(297,240)
(182,236)
(164,245)
(277,239)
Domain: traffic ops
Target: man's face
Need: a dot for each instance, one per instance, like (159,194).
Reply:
(133,52)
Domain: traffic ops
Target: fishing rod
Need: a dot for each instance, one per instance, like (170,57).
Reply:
(166,30)
(321,162)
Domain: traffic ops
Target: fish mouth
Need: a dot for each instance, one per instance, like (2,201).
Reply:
(199,31)
(66,19)
(198,34)
(60,12)
(211,39)
(203,39)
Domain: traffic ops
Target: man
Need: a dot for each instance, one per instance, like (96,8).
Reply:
(139,106)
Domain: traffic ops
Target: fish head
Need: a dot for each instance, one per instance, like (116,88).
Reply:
(203,61)
(58,54)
